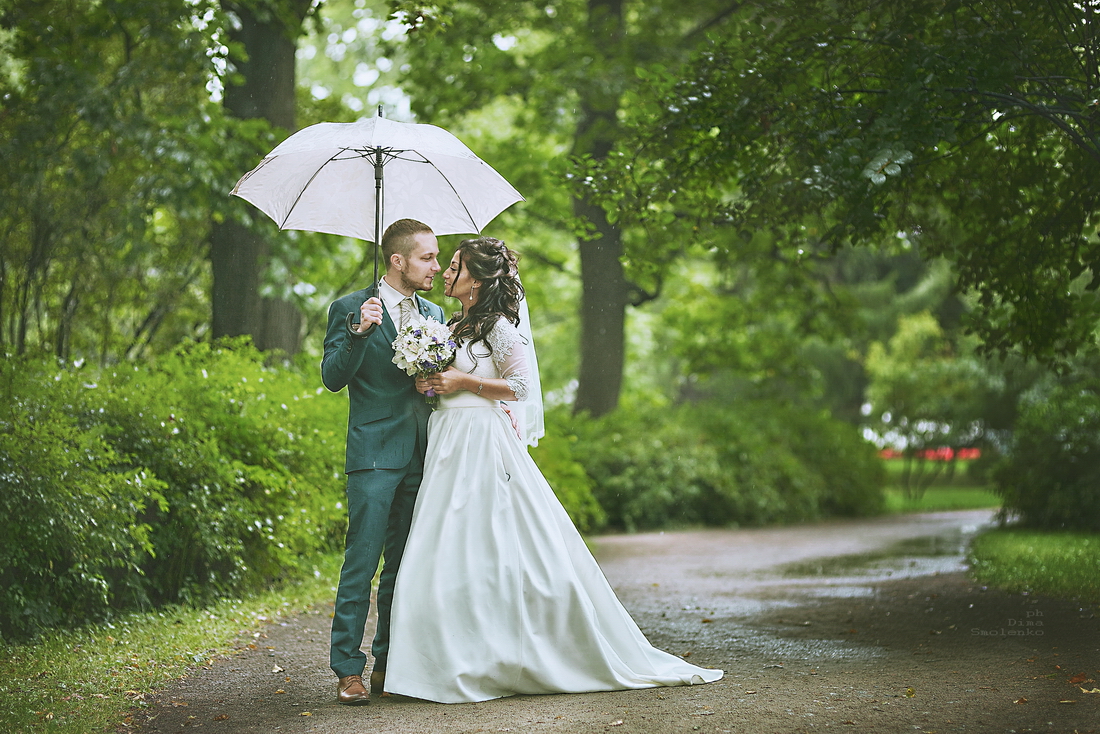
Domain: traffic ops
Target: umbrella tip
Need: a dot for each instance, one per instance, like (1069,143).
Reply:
(379,110)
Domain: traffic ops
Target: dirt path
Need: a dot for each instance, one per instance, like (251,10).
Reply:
(862,626)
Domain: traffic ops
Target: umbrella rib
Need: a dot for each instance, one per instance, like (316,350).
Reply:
(302,192)
(248,175)
(457,195)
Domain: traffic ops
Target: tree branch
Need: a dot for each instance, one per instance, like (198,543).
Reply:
(703,27)
(1042,111)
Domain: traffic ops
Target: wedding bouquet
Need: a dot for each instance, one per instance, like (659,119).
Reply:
(424,346)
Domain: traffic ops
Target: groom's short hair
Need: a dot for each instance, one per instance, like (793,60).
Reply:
(399,237)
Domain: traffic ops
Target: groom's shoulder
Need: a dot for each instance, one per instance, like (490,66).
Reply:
(355,299)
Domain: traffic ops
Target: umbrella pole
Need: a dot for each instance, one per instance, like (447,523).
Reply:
(377,209)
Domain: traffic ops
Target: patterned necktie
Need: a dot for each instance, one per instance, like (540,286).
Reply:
(406,309)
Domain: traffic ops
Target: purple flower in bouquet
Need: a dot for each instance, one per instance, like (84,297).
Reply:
(422,347)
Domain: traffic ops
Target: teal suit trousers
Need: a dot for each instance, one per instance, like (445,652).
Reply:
(380,506)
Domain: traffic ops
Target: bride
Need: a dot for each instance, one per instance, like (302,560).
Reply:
(497,592)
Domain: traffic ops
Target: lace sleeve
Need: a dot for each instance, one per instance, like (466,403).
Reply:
(510,362)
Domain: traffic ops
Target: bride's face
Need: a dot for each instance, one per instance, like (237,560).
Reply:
(458,282)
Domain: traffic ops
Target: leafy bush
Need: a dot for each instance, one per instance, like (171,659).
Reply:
(252,460)
(1051,477)
(749,464)
(202,473)
(68,518)
(646,474)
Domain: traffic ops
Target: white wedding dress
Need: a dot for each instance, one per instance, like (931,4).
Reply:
(497,592)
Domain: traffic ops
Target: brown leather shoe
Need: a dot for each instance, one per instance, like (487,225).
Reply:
(378,683)
(351,692)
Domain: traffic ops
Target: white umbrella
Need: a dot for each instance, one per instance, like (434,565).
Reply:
(329,178)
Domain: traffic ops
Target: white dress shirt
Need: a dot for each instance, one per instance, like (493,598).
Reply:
(391,301)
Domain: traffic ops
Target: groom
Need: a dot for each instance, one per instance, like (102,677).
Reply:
(387,427)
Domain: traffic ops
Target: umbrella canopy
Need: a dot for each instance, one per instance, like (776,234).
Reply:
(329,178)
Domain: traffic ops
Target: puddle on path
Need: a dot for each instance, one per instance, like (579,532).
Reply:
(902,559)
(800,586)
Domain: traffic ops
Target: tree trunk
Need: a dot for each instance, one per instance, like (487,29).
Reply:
(238,256)
(604,289)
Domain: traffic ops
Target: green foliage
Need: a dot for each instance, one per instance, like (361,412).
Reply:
(1064,564)
(926,391)
(115,160)
(967,127)
(70,516)
(748,464)
(1051,477)
(202,474)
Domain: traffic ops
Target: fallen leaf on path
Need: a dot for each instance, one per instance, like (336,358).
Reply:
(179,703)
(1094,690)
(1021,699)
(749,693)
(221,717)
(1079,678)
(848,722)
(706,620)
(280,691)
(1067,701)
(909,693)
(276,669)
(306,713)
(616,722)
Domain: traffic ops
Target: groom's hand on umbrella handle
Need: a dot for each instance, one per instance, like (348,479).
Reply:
(370,315)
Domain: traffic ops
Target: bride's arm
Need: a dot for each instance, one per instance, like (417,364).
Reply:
(453,380)
(510,358)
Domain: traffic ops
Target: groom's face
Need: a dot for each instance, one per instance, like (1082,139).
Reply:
(420,267)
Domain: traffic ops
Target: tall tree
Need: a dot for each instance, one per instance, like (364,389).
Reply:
(971,127)
(263,33)
(569,65)
(109,143)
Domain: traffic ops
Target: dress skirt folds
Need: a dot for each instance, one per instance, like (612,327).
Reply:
(497,593)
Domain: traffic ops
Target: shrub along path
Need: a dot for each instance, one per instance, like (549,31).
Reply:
(867,625)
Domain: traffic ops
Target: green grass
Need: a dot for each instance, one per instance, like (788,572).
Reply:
(940,499)
(89,679)
(953,488)
(1055,563)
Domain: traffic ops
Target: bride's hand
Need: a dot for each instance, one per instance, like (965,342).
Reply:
(445,382)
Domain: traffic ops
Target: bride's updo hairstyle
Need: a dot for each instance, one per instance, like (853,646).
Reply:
(492,264)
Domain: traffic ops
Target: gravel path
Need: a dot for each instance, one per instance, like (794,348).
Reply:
(861,626)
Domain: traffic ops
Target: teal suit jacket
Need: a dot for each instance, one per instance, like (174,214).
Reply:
(386,413)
